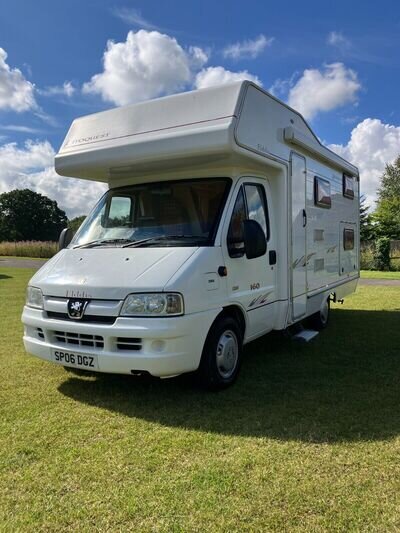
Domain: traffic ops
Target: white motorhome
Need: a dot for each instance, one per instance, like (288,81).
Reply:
(225,218)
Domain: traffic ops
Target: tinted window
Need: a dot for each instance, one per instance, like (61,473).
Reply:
(256,207)
(235,232)
(322,192)
(348,186)
(348,239)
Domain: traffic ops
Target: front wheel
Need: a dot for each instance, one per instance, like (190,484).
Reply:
(221,357)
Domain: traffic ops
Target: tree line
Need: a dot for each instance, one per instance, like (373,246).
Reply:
(26,215)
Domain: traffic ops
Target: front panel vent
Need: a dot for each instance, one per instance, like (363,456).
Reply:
(129,343)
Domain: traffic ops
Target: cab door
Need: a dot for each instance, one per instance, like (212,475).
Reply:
(251,283)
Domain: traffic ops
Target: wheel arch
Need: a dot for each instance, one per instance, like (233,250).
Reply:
(237,313)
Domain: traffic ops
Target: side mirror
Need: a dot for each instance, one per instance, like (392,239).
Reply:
(65,238)
(255,243)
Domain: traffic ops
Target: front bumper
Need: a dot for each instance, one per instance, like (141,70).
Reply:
(163,346)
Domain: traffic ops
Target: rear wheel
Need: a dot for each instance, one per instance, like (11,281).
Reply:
(221,357)
(320,319)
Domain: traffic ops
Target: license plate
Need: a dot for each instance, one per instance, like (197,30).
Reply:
(76,360)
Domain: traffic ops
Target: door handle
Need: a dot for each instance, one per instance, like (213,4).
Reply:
(272,257)
(304,218)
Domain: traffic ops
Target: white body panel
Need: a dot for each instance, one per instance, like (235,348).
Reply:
(236,131)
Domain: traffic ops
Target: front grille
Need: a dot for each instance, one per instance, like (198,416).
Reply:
(129,343)
(79,339)
(94,319)
(40,333)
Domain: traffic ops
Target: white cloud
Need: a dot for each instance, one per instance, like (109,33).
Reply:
(66,89)
(151,64)
(20,129)
(219,75)
(281,87)
(335,38)
(198,57)
(16,92)
(250,48)
(372,145)
(49,119)
(133,17)
(32,166)
(324,90)
(146,65)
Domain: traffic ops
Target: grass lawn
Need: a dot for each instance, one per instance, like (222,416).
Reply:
(308,439)
(374,274)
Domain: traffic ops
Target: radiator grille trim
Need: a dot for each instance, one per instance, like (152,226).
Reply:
(93,319)
(79,339)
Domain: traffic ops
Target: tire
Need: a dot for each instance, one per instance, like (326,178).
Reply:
(221,357)
(320,319)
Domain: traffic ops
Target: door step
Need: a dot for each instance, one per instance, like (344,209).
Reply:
(305,335)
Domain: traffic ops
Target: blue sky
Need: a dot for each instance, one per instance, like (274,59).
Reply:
(338,63)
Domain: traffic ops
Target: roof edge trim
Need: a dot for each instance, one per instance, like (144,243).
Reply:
(294,136)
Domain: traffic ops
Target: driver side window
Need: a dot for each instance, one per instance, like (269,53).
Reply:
(235,232)
(250,204)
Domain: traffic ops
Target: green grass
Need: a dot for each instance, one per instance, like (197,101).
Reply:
(374,274)
(308,439)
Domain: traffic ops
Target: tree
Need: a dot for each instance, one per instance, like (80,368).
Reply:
(74,223)
(366,225)
(382,254)
(390,182)
(27,215)
(387,214)
(387,217)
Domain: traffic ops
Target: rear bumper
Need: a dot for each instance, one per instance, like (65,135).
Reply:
(168,346)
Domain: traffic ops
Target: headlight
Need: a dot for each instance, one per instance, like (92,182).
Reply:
(34,297)
(155,304)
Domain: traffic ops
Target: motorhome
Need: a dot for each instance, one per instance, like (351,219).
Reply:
(225,218)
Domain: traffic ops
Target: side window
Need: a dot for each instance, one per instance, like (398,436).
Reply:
(256,206)
(348,239)
(250,204)
(322,193)
(348,186)
(235,231)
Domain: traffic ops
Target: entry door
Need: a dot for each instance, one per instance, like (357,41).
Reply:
(299,241)
(251,283)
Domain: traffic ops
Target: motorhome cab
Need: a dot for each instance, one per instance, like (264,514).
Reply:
(225,218)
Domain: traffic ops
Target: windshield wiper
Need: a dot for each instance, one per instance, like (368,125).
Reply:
(99,242)
(163,238)
(130,243)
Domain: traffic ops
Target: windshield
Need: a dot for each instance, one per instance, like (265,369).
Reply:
(178,213)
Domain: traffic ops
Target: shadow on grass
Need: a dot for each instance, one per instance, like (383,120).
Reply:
(344,386)
(4,276)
